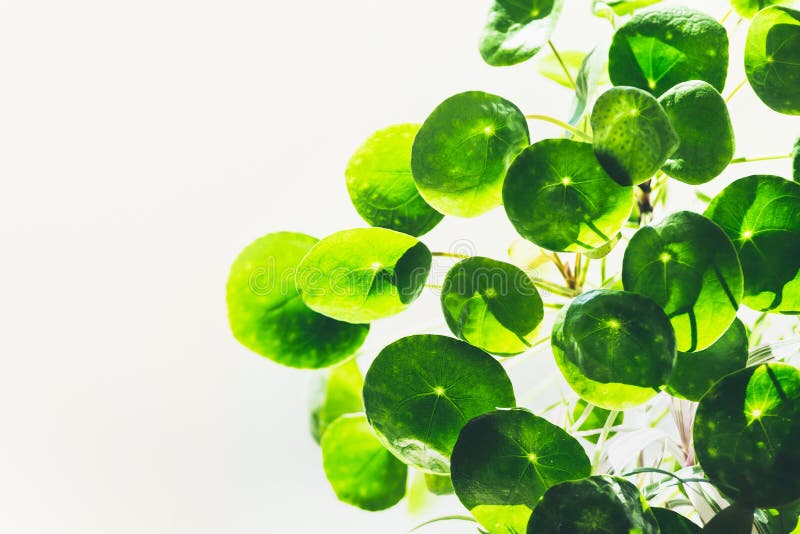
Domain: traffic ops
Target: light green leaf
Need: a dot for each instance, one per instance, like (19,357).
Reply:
(549,66)
(517,29)
(695,372)
(381,186)
(266,313)
(615,349)
(761,215)
(620,7)
(462,152)
(633,136)
(439,484)
(492,305)
(746,433)
(772,58)
(689,267)
(335,392)
(363,274)
(592,74)
(748,8)
(660,48)
(361,471)
(595,505)
(421,390)
(698,114)
(505,460)
(558,196)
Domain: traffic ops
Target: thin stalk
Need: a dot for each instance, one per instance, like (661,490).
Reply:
(562,124)
(554,288)
(750,159)
(601,441)
(587,411)
(450,255)
(559,264)
(735,90)
(725,17)
(554,305)
(563,66)
(433,286)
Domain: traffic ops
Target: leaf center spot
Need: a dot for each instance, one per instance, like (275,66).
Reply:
(747,234)
(490,292)
(439,391)
(376,266)
(566,180)
(665,257)
(651,84)
(613,324)
(532,457)
(488,131)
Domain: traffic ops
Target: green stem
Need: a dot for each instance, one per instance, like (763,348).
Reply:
(450,255)
(562,124)
(747,159)
(601,441)
(735,90)
(554,288)
(563,66)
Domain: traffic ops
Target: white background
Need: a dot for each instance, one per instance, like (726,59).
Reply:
(142,145)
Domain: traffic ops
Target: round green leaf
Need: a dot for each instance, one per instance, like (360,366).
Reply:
(632,134)
(735,519)
(796,161)
(615,349)
(689,267)
(363,274)
(596,419)
(492,305)
(748,8)
(439,484)
(619,7)
(746,435)
(558,196)
(266,313)
(761,215)
(362,472)
(517,29)
(461,153)
(335,392)
(380,184)
(660,48)
(596,505)
(772,58)
(550,67)
(421,390)
(784,520)
(698,114)
(505,460)
(695,372)
(671,522)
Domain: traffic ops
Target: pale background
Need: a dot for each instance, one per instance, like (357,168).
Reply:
(142,145)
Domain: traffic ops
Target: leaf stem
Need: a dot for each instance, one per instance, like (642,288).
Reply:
(554,288)
(601,441)
(725,17)
(735,90)
(562,124)
(748,159)
(450,255)
(563,66)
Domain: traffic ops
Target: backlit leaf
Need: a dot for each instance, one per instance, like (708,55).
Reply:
(517,29)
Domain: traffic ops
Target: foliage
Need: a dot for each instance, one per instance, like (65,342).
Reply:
(656,314)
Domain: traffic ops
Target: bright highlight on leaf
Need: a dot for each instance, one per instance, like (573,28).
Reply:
(772,58)
(360,470)
(689,267)
(633,136)
(381,186)
(761,215)
(517,29)
(594,505)
(580,213)
(662,47)
(746,433)
(267,315)
(363,274)
(492,305)
(505,460)
(615,349)
(462,152)
(421,390)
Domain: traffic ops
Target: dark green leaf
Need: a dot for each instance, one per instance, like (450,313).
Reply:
(461,153)
(695,372)
(689,267)
(595,505)
(671,522)
(363,274)
(632,134)
(505,460)
(517,29)
(761,215)
(784,520)
(380,184)
(596,419)
(746,435)
(735,519)
(492,305)
(362,472)
(698,114)
(335,392)
(558,196)
(660,48)
(615,349)
(267,315)
(748,8)
(421,390)
(772,58)
(796,161)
